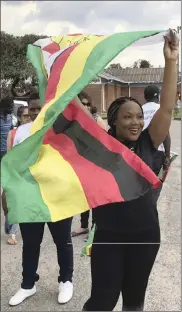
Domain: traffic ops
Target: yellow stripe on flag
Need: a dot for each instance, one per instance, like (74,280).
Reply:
(57,179)
(65,41)
(70,73)
(73,69)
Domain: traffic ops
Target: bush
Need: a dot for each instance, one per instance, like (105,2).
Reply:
(177,112)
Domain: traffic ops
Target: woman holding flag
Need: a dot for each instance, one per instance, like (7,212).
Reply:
(127,235)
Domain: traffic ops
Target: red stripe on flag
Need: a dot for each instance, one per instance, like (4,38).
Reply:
(107,188)
(52,48)
(55,74)
(85,35)
(74,35)
(73,112)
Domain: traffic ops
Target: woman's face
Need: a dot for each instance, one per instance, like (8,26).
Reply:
(129,122)
(25,118)
(86,103)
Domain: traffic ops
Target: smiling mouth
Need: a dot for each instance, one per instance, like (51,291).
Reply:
(134,131)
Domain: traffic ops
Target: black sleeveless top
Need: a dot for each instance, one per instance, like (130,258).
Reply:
(137,215)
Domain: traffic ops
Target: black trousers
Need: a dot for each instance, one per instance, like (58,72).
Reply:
(121,263)
(156,193)
(32,235)
(85,218)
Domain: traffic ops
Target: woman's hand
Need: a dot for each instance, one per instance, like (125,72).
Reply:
(160,123)
(171,46)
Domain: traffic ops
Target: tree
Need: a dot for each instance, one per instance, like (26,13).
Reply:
(115,65)
(142,64)
(14,65)
(13,55)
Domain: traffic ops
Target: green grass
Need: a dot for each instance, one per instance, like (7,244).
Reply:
(177,113)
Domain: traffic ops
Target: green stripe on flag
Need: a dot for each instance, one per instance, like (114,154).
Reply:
(34,55)
(29,205)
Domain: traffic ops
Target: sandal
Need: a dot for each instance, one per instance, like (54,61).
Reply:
(12,240)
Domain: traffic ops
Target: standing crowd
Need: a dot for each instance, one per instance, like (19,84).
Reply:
(127,234)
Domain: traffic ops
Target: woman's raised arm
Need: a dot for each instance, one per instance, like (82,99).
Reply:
(160,124)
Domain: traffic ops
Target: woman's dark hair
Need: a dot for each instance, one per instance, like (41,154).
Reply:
(6,106)
(113,112)
(83,95)
(33,96)
(93,110)
(20,111)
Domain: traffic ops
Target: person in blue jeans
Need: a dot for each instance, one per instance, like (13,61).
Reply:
(6,124)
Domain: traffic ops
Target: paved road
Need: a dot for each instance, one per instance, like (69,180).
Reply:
(164,287)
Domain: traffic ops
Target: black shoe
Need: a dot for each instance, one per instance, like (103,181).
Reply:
(131,309)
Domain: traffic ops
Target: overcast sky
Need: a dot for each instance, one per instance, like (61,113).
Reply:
(99,17)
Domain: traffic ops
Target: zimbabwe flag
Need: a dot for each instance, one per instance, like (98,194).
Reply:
(69,164)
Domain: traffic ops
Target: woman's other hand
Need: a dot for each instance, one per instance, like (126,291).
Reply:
(171,46)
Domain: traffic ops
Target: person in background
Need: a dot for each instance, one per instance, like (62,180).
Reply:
(32,235)
(84,220)
(23,118)
(34,109)
(162,156)
(127,236)
(152,94)
(12,229)
(6,124)
(87,102)
(178,98)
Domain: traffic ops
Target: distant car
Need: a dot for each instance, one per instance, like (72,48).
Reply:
(16,105)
